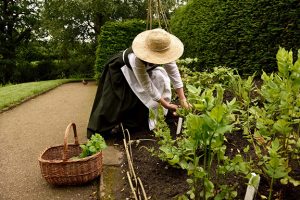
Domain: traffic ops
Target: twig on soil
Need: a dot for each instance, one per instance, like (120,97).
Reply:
(143,190)
(131,175)
(130,165)
(126,130)
(131,186)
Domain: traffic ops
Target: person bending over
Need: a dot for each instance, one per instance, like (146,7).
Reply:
(136,80)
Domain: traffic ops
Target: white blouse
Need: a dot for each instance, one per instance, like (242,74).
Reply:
(152,85)
(140,71)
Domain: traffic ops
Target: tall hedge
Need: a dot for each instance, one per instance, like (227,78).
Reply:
(115,37)
(239,34)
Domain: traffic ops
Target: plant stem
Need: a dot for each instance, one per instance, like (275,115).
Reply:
(204,167)
(271,189)
(209,156)
(248,125)
(196,185)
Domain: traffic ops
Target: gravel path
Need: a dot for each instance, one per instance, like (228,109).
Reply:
(28,129)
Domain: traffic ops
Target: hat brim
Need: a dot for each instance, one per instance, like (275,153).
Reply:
(142,51)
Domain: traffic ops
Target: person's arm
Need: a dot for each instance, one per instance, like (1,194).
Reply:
(176,80)
(143,78)
(167,104)
(173,72)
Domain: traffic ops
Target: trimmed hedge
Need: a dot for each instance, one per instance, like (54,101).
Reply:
(238,34)
(52,69)
(115,37)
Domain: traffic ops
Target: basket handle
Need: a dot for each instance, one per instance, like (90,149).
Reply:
(65,152)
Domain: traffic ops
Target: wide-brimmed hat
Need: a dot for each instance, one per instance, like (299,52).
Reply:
(157,46)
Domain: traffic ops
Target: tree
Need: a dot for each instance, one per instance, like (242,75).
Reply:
(72,27)
(73,20)
(17,21)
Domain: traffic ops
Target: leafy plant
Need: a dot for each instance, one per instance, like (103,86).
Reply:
(207,131)
(94,145)
(270,124)
(276,131)
(205,78)
(275,166)
(242,90)
(200,149)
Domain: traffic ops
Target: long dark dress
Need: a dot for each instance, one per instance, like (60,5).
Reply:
(115,102)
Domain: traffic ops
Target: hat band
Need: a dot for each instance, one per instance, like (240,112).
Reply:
(164,49)
(159,49)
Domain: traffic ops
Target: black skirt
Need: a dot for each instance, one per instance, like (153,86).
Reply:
(115,102)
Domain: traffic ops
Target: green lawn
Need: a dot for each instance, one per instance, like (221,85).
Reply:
(11,95)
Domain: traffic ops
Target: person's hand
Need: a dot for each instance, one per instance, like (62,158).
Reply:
(185,104)
(171,106)
(168,105)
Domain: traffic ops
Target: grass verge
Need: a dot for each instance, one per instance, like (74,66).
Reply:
(12,95)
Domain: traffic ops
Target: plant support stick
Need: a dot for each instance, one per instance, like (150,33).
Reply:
(252,187)
(179,125)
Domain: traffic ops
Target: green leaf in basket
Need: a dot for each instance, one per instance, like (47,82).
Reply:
(92,149)
(94,145)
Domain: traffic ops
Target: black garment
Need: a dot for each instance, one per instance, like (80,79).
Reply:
(115,102)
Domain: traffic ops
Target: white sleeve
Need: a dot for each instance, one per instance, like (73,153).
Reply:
(144,80)
(173,72)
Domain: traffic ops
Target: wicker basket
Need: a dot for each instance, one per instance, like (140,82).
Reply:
(57,169)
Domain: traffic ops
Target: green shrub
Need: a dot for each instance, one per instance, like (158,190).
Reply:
(25,71)
(238,34)
(115,37)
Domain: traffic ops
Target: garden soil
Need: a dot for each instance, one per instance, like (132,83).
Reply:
(28,129)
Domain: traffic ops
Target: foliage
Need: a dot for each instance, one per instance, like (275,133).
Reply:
(276,133)
(115,37)
(57,34)
(275,165)
(26,54)
(73,34)
(93,146)
(18,21)
(237,34)
(79,20)
(130,9)
(206,78)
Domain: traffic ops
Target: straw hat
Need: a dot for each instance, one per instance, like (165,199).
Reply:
(157,46)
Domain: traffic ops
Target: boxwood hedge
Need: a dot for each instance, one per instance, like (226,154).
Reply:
(115,37)
(239,34)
